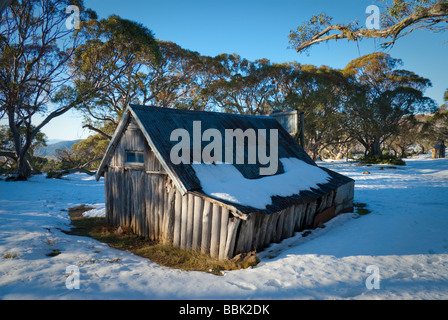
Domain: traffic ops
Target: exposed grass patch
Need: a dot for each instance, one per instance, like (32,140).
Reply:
(54,253)
(359,205)
(363,212)
(361,208)
(9,255)
(76,212)
(165,255)
(384,159)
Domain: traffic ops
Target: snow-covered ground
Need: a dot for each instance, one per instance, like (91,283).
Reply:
(405,237)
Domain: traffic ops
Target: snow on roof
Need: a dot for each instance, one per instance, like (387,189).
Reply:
(224,181)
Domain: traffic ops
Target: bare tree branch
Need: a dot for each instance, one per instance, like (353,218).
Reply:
(423,18)
(90,127)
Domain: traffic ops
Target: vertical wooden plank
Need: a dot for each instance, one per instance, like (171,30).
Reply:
(152,221)
(122,190)
(157,206)
(142,202)
(300,217)
(177,218)
(293,218)
(240,240)
(216,228)
(148,206)
(249,244)
(137,205)
(277,237)
(165,211)
(311,212)
(161,205)
(270,229)
(256,230)
(128,196)
(155,192)
(206,227)
(223,232)
(232,229)
(263,230)
(184,222)
(114,196)
(115,200)
(197,223)
(155,212)
(107,197)
(268,232)
(133,195)
(169,217)
(288,227)
(189,222)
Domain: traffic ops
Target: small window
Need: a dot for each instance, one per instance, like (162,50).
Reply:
(134,157)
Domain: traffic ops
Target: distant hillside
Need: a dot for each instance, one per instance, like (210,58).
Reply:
(50,150)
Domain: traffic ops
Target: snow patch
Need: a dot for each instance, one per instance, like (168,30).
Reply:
(224,181)
(405,236)
(99,212)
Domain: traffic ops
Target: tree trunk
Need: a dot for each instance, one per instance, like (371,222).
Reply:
(375,148)
(23,169)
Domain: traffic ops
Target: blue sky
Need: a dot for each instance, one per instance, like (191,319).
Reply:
(257,29)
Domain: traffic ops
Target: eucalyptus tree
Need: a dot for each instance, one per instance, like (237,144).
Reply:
(174,82)
(381,95)
(239,85)
(35,48)
(111,63)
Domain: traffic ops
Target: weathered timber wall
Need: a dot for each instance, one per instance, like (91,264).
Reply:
(260,230)
(152,207)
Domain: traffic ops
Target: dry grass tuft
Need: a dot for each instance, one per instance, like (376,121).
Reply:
(166,255)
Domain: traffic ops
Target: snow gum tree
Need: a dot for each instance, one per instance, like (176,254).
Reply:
(380,96)
(35,46)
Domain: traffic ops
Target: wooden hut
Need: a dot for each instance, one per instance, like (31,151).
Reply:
(438,150)
(163,201)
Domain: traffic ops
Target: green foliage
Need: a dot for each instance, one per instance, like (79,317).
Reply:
(51,174)
(435,127)
(85,154)
(309,29)
(111,64)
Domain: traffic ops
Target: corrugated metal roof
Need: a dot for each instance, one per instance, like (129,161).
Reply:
(158,123)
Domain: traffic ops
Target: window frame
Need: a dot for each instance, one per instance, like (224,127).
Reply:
(138,155)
